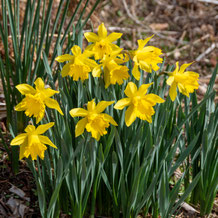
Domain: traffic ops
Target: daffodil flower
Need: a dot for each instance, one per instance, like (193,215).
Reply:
(79,65)
(146,58)
(32,143)
(102,43)
(94,120)
(140,104)
(113,72)
(36,99)
(187,81)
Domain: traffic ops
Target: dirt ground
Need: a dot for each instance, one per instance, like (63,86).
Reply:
(186,31)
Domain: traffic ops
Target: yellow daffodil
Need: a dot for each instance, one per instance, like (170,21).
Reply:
(146,58)
(113,72)
(94,120)
(187,81)
(102,43)
(36,99)
(140,105)
(32,142)
(79,65)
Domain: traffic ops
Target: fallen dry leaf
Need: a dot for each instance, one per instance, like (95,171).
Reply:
(159,26)
(19,192)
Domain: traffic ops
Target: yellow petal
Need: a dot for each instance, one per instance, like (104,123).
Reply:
(113,37)
(153,99)
(91,37)
(183,67)
(52,103)
(91,63)
(143,88)
(78,112)
(80,126)
(43,128)
(130,115)
(142,43)
(18,140)
(22,151)
(170,80)
(122,103)
(26,89)
(39,118)
(20,107)
(131,89)
(101,106)
(65,70)
(97,71)
(40,85)
(91,105)
(173,91)
(102,31)
(136,72)
(110,119)
(107,80)
(30,128)
(147,67)
(49,92)
(177,68)
(63,58)
(46,140)
(76,50)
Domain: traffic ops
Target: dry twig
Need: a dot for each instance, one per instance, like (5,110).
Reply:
(209,1)
(210,49)
(187,46)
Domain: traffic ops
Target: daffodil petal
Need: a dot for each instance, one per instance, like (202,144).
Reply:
(102,31)
(46,140)
(136,72)
(25,89)
(65,70)
(91,63)
(153,99)
(18,140)
(142,43)
(177,68)
(170,80)
(49,92)
(52,103)
(80,126)
(30,128)
(113,37)
(43,128)
(173,91)
(122,103)
(107,80)
(22,151)
(131,89)
(63,58)
(101,106)
(110,119)
(40,85)
(78,112)
(91,37)
(96,72)
(20,106)
(40,117)
(130,116)
(76,50)
(184,66)
(143,88)
(91,105)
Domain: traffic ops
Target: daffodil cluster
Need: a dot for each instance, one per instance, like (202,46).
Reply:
(102,58)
